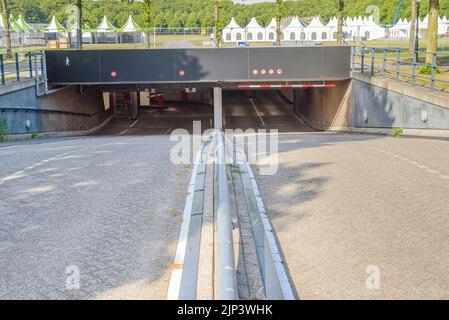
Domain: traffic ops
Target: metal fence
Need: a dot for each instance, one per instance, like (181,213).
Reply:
(21,66)
(153,38)
(404,65)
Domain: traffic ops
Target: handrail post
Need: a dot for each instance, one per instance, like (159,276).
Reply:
(353,59)
(2,69)
(36,75)
(44,71)
(384,64)
(414,68)
(30,64)
(372,61)
(433,71)
(17,66)
(42,63)
(398,64)
(363,60)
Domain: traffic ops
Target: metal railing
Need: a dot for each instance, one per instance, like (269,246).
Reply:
(226,274)
(404,66)
(21,66)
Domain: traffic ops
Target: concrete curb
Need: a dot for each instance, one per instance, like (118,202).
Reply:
(277,283)
(184,276)
(276,280)
(424,133)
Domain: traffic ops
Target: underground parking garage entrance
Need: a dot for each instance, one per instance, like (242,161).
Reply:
(162,109)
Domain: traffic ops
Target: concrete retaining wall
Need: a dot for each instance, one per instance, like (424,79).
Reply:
(366,103)
(65,110)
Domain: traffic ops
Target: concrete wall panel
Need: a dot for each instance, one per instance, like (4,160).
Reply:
(84,110)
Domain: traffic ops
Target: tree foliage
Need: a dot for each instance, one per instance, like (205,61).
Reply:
(200,13)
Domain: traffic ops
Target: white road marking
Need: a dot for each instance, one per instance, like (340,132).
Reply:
(43,143)
(127,129)
(37,164)
(176,275)
(171,127)
(42,162)
(412,162)
(257,111)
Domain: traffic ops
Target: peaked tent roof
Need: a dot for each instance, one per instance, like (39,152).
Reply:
(24,25)
(106,26)
(14,23)
(130,26)
(295,23)
(87,28)
(272,24)
(316,22)
(55,26)
(13,26)
(333,22)
(232,24)
(254,24)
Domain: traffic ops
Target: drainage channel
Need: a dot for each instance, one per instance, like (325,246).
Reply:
(226,249)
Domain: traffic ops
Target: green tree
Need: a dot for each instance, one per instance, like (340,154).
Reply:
(432,32)
(411,42)
(217,36)
(340,15)
(148,21)
(192,20)
(5,15)
(280,11)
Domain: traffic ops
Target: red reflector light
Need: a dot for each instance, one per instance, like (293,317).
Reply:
(113,74)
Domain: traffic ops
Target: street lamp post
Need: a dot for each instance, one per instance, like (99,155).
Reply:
(418,5)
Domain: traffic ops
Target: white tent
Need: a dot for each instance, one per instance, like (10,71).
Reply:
(331,28)
(13,26)
(106,26)
(55,26)
(24,25)
(372,30)
(130,26)
(254,31)
(294,31)
(316,30)
(443,26)
(400,30)
(353,28)
(270,30)
(233,32)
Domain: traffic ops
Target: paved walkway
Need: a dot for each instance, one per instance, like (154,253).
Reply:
(107,206)
(346,206)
